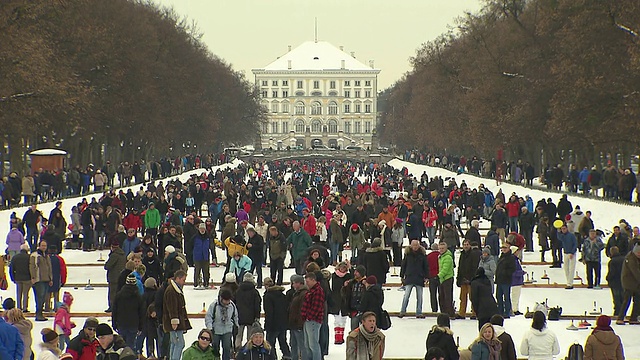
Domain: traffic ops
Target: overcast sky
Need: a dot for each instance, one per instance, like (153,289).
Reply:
(251,33)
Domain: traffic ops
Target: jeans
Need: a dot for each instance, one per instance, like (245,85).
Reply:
(298,263)
(63,342)
(281,336)
(277,268)
(256,266)
(593,267)
(334,249)
(513,224)
(87,240)
(312,340)
(431,234)
(40,289)
(504,300)
(298,347)
(129,337)
(626,302)
(161,341)
(176,340)
(32,237)
(407,293)
(569,268)
(225,339)
(618,296)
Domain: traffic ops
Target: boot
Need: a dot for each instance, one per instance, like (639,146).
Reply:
(339,335)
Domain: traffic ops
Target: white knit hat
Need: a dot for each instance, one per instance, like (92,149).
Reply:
(169,249)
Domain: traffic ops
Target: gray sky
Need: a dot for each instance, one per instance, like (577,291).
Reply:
(252,33)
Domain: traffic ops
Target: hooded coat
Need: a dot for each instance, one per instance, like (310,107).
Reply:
(442,337)
(603,345)
(372,300)
(415,268)
(377,264)
(337,283)
(248,302)
(482,298)
(128,309)
(275,309)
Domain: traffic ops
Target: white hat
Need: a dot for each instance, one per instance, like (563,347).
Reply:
(169,249)
(247,277)
(230,277)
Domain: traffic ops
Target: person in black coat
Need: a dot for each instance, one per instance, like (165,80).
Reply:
(376,261)
(128,311)
(614,278)
(441,337)
(527,222)
(53,239)
(504,273)
(276,316)
(467,265)
(255,244)
(248,303)
(372,298)
(153,266)
(414,272)
(482,299)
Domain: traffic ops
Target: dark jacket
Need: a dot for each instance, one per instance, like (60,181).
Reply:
(117,351)
(614,275)
(171,265)
(277,246)
(337,283)
(621,241)
(482,298)
(508,351)
(527,221)
(275,309)
(154,268)
(256,251)
(414,269)
(377,264)
(631,273)
(128,309)
(473,235)
(19,267)
(174,308)
(54,240)
(295,299)
(505,269)
(493,241)
(442,337)
(372,300)
(248,302)
(499,219)
(115,264)
(467,265)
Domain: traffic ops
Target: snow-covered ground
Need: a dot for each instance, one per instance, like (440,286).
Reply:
(406,338)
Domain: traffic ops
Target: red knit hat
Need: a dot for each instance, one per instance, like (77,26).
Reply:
(354,227)
(372,280)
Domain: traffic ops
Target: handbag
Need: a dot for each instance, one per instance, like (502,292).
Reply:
(385,320)
(3,283)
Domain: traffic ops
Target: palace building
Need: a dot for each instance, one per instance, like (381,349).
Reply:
(318,94)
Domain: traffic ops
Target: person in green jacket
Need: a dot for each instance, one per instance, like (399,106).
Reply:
(445,279)
(299,242)
(200,349)
(152,220)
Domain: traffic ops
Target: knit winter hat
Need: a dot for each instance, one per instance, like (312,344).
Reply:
(603,321)
(230,278)
(486,250)
(361,270)
(202,226)
(247,277)
(150,283)
(131,279)
(354,227)
(67,298)
(372,280)
(299,279)
(48,335)
(256,330)
(91,322)
(103,329)
(8,304)
(169,249)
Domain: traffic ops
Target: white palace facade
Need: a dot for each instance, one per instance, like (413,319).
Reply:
(318,94)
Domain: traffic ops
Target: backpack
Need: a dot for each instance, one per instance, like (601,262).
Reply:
(576,352)
(385,320)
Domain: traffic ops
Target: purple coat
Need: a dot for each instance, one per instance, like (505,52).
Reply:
(242,215)
(518,275)
(14,240)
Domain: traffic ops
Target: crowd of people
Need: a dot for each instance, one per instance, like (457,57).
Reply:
(310,212)
(610,182)
(55,184)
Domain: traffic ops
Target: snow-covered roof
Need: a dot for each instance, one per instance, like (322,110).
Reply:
(316,56)
(48,152)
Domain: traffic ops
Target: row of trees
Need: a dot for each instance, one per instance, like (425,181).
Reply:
(525,76)
(119,79)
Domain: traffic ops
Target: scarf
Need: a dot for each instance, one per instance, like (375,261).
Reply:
(368,343)
(340,273)
(494,348)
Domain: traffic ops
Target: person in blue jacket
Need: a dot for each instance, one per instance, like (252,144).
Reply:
(11,344)
(569,248)
(201,256)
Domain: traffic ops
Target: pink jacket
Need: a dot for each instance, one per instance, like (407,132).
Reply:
(62,322)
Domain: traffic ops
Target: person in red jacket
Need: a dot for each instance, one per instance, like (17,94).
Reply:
(513,212)
(308,222)
(133,221)
(312,312)
(84,346)
(432,261)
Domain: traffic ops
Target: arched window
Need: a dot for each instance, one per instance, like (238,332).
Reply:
(299,126)
(316,108)
(285,106)
(316,126)
(333,126)
(333,108)
(275,107)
